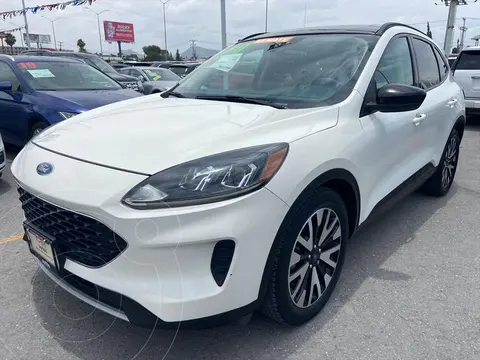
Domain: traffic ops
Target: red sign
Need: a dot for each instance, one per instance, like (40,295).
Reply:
(116,31)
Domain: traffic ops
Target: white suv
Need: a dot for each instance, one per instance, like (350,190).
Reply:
(239,188)
(466,70)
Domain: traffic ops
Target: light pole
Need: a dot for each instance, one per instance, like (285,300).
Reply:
(224,23)
(26,24)
(99,31)
(53,29)
(21,35)
(164,3)
(266,15)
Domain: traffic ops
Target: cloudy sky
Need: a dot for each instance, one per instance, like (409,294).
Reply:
(200,19)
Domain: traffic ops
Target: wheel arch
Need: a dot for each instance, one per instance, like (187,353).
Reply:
(341,181)
(460,126)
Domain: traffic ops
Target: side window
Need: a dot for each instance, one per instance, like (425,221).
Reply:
(395,66)
(7,74)
(442,64)
(428,72)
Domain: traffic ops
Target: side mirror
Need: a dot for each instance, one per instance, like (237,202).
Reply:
(6,86)
(398,98)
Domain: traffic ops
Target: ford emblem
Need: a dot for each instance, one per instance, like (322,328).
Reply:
(44,168)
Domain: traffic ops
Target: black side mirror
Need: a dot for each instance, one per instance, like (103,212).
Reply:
(6,86)
(398,98)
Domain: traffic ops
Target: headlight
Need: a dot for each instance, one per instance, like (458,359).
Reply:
(67,115)
(210,179)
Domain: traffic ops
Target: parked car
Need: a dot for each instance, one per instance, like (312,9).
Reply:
(212,201)
(127,82)
(3,157)
(138,63)
(451,60)
(183,69)
(154,80)
(39,91)
(165,64)
(118,66)
(466,70)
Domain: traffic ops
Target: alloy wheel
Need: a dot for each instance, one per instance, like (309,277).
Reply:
(314,257)
(450,162)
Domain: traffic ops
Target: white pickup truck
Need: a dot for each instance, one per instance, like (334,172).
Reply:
(466,72)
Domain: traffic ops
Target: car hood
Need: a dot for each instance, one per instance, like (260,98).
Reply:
(78,101)
(149,134)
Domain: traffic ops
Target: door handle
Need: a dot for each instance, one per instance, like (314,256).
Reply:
(418,119)
(452,102)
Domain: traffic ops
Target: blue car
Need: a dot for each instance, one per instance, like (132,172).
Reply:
(39,91)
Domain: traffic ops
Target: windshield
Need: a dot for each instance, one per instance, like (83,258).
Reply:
(294,71)
(46,75)
(101,64)
(158,74)
(178,70)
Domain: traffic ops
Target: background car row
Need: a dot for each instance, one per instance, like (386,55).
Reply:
(42,88)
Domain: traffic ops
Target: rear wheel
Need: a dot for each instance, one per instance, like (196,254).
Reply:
(441,181)
(309,259)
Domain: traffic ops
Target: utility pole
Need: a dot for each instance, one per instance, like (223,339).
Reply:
(224,23)
(452,14)
(53,29)
(266,15)
(194,51)
(26,24)
(60,43)
(164,3)
(463,29)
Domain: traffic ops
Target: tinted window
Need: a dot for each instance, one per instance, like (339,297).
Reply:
(395,66)
(7,74)
(50,75)
(295,71)
(428,73)
(442,64)
(468,60)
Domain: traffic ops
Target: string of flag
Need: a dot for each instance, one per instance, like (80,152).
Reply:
(12,30)
(37,8)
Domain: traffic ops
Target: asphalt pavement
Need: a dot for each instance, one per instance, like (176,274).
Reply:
(410,289)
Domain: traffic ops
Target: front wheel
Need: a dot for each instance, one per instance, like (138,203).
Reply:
(441,181)
(37,128)
(309,258)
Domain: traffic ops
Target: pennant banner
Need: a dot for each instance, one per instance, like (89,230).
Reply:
(35,9)
(11,30)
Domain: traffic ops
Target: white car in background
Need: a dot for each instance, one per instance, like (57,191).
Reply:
(239,188)
(466,70)
(3,157)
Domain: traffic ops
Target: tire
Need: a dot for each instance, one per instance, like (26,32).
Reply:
(283,299)
(441,181)
(36,128)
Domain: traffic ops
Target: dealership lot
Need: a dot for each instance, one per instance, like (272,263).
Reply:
(410,290)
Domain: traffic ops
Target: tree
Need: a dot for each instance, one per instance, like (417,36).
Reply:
(155,53)
(10,40)
(170,56)
(177,56)
(81,45)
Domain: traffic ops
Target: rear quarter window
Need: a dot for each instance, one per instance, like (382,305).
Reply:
(468,60)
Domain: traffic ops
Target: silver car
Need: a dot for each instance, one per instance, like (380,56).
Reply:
(154,79)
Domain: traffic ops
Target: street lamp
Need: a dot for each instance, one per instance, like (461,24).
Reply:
(99,31)
(164,3)
(266,15)
(53,29)
(21,35)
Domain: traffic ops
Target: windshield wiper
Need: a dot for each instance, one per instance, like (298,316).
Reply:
(241,99)
(172,92)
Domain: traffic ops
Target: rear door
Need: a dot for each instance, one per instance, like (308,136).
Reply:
(467,73)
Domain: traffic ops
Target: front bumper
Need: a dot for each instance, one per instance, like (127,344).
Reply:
(167,267)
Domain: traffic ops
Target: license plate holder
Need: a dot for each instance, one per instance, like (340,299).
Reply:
(42,247)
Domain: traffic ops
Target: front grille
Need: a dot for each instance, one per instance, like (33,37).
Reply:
(130,85)
(2,157)
(79,238)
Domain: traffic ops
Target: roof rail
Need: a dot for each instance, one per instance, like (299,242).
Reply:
(251,36)
(8,56)
(390,25)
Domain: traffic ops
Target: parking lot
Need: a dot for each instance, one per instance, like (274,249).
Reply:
(410,289)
